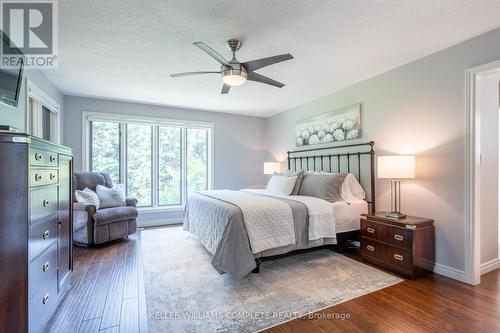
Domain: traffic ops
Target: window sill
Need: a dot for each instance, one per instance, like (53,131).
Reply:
(146,210)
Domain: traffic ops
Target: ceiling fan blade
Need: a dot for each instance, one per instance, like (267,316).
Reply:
(259,63)
(192,73)
(225,88)
(211,52)
(264,79)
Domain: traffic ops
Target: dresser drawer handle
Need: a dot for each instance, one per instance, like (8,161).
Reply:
(38,177)
(45,203)
(52,158)
(370,248)
(398,237)
(398,257)
(45,234)
(45,267)
(38,157)
(45,299)
(370,230)
(52,176)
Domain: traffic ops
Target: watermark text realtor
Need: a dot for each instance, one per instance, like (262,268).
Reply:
(31,28)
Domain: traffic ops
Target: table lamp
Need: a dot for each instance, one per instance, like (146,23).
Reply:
(272,167)
(395,168)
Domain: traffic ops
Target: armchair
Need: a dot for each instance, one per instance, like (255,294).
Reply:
(91,226)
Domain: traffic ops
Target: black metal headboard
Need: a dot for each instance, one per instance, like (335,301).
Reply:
(341,159)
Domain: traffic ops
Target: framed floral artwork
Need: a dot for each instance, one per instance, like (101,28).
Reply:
(338,125)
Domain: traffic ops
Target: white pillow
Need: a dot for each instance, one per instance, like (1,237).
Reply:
(281,184)
(88,196)
(352,189)
(111,197)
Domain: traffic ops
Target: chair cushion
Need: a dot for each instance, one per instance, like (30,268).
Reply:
(115,214)
(82,180)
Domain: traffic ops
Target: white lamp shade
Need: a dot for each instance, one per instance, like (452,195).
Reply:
(271,167)
(396,167)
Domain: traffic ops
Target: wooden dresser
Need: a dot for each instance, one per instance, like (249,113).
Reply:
(35,230)
(405,246)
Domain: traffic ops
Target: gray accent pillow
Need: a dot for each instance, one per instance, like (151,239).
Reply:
(298,183)
(324,186)
(111,197)
(88,196)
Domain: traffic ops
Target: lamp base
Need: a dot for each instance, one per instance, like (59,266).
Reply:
(395,215)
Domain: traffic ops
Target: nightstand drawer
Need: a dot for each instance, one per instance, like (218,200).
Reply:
(386,253)
(386,233)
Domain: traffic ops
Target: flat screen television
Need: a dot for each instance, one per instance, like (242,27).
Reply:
(10,77)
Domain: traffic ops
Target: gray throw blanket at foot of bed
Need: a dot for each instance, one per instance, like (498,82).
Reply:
(220,227)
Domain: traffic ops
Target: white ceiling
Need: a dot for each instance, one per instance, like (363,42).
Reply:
(125,50)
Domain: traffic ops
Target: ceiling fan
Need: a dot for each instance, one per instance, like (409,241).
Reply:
(235,73)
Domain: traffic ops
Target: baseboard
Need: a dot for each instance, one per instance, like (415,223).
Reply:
(157,223)
(450,272)
(490,266)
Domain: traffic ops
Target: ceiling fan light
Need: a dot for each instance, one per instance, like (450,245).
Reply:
(234,80)
(234,76)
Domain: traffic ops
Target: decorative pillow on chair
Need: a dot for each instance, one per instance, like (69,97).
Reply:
(88,196)
(111,197)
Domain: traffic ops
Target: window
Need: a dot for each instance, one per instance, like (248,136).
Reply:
(159,162)
(42,114)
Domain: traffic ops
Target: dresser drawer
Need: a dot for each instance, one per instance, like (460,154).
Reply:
(386,233)
(42,303)
(41,235)
(43,202)
(41,269)
(39,157)
(388,254)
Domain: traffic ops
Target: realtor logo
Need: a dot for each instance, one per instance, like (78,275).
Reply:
(31,27)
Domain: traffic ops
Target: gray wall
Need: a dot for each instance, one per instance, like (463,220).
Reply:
(239,141)
(419,109)
(17,116)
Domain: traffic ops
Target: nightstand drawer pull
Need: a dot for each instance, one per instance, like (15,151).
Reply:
(45,234)
(52,158)
(398,257)
(38,177)
(370,248)
(38,156)
(45,299)
(398,237)
(370,230)
(52,176)
(45,203)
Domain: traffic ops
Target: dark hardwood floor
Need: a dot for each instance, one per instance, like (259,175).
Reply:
(106,291)
(107,295)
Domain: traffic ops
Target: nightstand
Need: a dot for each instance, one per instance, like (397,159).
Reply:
(404,246)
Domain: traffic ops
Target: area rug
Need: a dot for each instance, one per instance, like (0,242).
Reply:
(184,293)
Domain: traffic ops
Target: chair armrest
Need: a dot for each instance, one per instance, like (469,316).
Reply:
(131,201)
(84,206)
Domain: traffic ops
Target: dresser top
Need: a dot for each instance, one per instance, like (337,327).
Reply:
(413,221)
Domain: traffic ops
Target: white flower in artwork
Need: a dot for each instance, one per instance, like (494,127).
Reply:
(310,129)
(299,141)
(321,134)
(339,135)
(317,128)
(305,134)
(325,127)
(348,124)
(352,134)
(334,125)
(314,140)
(327,138)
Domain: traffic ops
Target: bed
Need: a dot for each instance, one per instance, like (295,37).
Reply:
(240,228)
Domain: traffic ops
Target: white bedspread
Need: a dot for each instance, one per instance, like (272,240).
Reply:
(269,222)
(321,218)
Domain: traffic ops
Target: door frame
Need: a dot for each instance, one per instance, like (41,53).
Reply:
(473,172)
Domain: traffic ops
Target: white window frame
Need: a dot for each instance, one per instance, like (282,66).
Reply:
(37,97)
(123,120)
